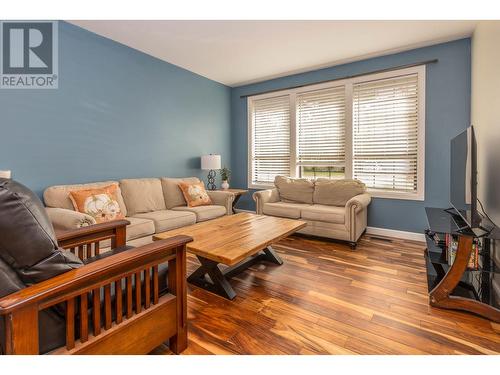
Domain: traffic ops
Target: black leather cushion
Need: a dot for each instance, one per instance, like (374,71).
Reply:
(29,254)
(51,325)
(27,240)
(9,281)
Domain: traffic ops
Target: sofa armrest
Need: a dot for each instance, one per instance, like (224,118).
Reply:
(222,198)
(265,196)
(63,219)
(358,202)
(356,215)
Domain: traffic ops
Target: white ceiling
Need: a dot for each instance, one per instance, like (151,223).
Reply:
(241,52)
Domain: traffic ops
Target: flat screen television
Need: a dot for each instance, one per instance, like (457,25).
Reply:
(463,177)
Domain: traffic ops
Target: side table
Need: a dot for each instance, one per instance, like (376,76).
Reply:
(237,195)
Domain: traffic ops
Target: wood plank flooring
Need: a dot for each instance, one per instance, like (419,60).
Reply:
(328,299)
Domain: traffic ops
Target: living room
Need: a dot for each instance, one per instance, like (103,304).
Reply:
(232,185)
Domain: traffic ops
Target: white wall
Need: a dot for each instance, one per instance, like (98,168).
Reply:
(486,112)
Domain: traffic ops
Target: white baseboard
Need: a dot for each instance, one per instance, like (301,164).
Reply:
(380,231)
(396,233)
(238,210)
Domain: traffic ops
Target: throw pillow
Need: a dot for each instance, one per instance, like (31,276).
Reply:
(100,203)
(195,194)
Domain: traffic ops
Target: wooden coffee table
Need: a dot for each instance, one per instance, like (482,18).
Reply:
(237,241)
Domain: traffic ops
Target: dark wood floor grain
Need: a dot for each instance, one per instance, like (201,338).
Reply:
(328,299)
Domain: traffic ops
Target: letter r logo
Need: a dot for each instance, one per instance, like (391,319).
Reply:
(27,48)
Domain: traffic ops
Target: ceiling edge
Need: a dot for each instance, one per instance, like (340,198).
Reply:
(332,64)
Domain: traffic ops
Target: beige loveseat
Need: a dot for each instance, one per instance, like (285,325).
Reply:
(332,208)
(152,205)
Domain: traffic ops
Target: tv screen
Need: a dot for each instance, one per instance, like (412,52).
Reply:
(463,177)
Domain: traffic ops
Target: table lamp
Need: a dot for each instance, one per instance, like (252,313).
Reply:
(210,163)
(5,174)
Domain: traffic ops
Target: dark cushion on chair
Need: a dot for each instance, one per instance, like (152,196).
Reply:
(51,325)
(29,254)
(27,240)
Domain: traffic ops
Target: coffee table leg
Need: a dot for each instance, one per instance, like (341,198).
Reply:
(268,254)
(271,256)
(218,284)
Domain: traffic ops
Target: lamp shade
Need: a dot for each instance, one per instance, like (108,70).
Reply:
(5,174)
(210,162)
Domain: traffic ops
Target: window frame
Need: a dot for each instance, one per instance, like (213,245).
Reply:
(348,83)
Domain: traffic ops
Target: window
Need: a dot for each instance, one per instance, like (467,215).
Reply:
(271,139)
(321,133)
(385,133)
(370,128)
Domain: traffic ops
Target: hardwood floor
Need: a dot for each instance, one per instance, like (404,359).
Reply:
(328,299)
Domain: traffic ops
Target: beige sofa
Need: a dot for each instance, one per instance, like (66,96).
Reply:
(332,208)
(152,205)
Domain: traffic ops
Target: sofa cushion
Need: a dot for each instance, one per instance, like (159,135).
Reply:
(139,227)
(142,195)
(167,219)
(204,213)
(299,190)
(58,196)
(328,214)
(336,192)
(172,193)
(284,209)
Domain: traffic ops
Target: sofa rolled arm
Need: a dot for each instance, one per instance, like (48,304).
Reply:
(64,219)
(222,198)
(358,202)
(356,214)
(265,196)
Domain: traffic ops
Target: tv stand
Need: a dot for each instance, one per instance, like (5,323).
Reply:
(455,285)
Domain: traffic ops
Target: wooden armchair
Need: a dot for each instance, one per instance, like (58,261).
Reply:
(135,322)
(102,309)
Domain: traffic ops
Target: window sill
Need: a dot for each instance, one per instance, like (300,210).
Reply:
(261,186)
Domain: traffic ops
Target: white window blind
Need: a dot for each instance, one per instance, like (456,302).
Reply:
(321,128)
(270,139)
(385,133)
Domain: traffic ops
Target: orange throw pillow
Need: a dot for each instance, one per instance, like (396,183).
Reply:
(100,203)
(195,194)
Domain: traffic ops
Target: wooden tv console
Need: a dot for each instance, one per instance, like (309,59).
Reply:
(459,286)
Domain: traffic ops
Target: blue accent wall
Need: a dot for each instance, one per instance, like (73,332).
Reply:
(118,113)
(447,110)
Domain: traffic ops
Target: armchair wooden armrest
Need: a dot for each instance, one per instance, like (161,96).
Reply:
(149,319)
(84,242)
